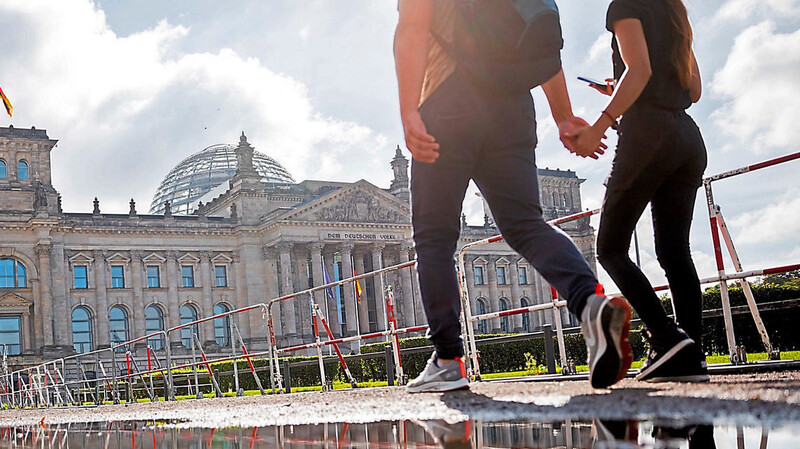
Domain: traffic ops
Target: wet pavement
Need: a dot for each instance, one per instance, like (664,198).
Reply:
(498,414)
(404,434)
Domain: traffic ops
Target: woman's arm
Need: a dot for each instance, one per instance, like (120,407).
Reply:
(411,58)
(696,85)
(633,49)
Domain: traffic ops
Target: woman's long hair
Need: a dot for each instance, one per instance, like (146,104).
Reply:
(681,56)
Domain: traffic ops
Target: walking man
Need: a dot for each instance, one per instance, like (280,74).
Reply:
(459,129)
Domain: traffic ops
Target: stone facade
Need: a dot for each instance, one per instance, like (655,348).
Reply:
(89,280)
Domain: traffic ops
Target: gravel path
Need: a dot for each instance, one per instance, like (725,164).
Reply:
(744,399)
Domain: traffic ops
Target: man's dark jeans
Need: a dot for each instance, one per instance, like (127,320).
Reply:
(491,140)
(660,160)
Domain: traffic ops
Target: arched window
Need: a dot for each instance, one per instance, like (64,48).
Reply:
(222,327)
(154,322)
(22,170)
(188,314)
(118,327)
(480,309)
(504,324)
(81,330)
(526,317)
(3,170)
(12,274)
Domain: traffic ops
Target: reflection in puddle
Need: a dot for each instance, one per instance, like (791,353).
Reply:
(589,434)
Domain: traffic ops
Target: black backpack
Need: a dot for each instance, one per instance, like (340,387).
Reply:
(508,46)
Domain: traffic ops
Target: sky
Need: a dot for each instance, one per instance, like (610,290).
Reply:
(130,88)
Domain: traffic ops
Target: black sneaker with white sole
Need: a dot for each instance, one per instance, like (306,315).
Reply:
(677,361)
(606,323)
(440,377)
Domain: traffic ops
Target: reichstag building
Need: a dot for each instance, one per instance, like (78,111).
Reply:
(229,227)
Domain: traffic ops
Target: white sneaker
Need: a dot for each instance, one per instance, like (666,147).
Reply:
(447,377)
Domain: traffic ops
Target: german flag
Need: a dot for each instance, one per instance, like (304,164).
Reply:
(6,103)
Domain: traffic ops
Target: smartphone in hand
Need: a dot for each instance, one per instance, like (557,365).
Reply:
(601,86)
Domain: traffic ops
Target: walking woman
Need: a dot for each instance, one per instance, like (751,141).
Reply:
(660,160)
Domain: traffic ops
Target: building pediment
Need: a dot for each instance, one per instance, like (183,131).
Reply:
(12,300)
(118,257)
(188,258)
(360,202)
(153,258)
(81,258)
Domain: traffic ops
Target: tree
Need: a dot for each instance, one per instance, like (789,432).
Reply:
(789,278)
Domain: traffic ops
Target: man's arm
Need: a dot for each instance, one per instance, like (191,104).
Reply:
(561,108)
(411,58)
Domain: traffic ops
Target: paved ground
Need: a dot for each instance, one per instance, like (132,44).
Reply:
(744,399)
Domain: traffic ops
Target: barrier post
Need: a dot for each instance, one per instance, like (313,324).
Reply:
(314,311)
(723,285)
(239,391)
(249,361)
(150,372)
(395,339)
(472,363)
(213,378)
(389,358)
(288,376)
(275,376)
(562,347)
(336,348)
(748,292)
(170,385)
(197,393)
(549,350)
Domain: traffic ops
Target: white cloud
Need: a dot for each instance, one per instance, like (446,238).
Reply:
(774,223)
(601,48)
(126,109)
(744,9)
(759,83)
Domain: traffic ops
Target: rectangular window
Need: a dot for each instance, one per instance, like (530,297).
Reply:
(221,275)
(187,274)
(117,276)
(10,334)
(80,277)
(523,275)
(501,276)
(478,275)
(153,278)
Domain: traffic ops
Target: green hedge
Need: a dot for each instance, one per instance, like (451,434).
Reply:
(781,324)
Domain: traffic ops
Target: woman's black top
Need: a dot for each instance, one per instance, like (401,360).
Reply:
(664,89)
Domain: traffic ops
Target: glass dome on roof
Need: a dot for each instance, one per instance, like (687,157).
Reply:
(199,173)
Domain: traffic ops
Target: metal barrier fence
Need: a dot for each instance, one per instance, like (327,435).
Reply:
(114,373)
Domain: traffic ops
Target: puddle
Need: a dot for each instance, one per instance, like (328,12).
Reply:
(578,434)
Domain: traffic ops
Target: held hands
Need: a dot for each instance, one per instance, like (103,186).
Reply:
(578,137)
(422,145)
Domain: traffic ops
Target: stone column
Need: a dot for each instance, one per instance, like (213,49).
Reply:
(300,282)
(319,279)
(271,262)
(173,303)
(494,297)
(412,299)
(207,300)
(45,295)
(380,303)
(349,297)
(60,297)
(137,284)
(287,307)
(516,320)
(363,308)
(240,291)
(26,342)
(101,298)
(333,307)
(469,274)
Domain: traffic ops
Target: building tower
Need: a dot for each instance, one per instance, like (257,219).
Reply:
(399,187)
